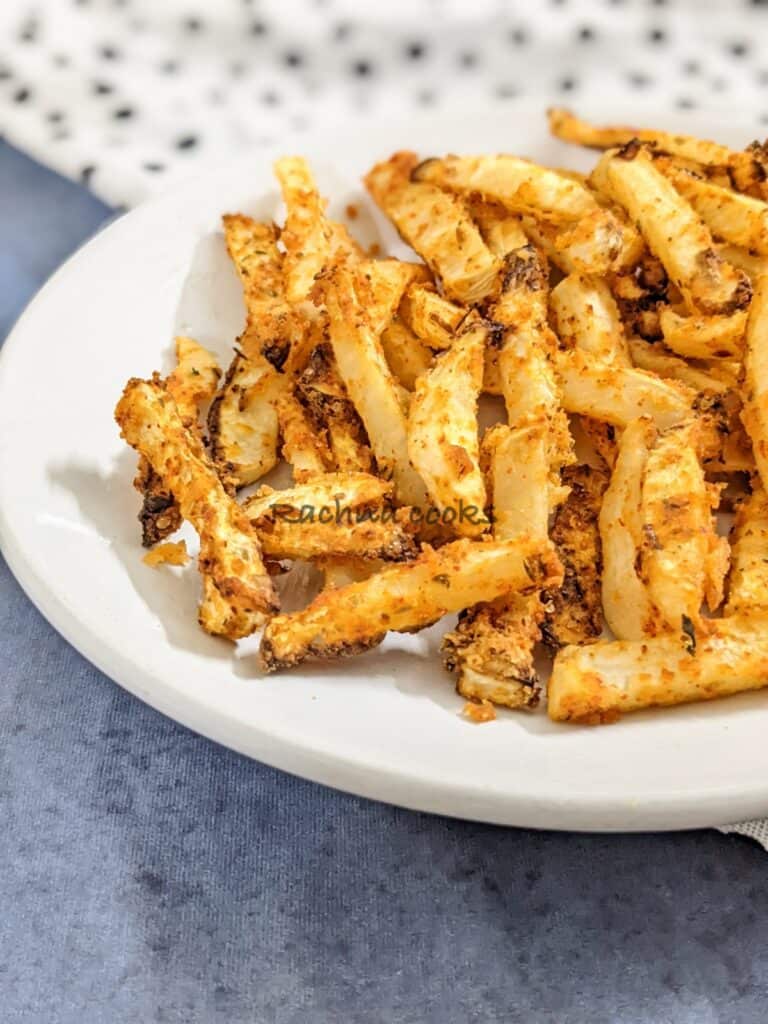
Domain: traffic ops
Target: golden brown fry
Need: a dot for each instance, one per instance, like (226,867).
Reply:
(368,380)
(405,598)
(749,170)
(242,421)
(323,391)
(752,264)
(431,317)
(304,445)
(576,613)
(230,556)
(627,606)
(566,126)
(674,233)
(600,682)
(384,535)
(437,226)
(191,384)
(656,358)
(520,477)
(502,231)
(683,561)
(491,650)
(748,580)
(587,317)
(442,431)
(194,379)
(733,217)
(330,492)
(406,354)
(755,388)
(272,326)
(307,234)
(704,337)
(618,395)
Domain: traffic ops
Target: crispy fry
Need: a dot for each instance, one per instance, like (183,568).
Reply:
(191,384)
(442,431)
(618,394)
(307,234)
(271,324)
(627,606)
(566,126)
(752,264)
(749,170)
(368,379)
(389,539)
(437,226)
(242,421)
(230,556)
(704,337)
(600,682)
(733,217)
(675,234)
(683,561)
(520,478)
(755,388)
(431,317)
(656,358)
(576,615)
(304,446)
(323,391)
(406,354)
(331,491)
(491,649)
(502,231)
(587,317)
(748,580)
(405,598)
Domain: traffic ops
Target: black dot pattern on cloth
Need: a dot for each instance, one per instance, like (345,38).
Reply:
(124,94)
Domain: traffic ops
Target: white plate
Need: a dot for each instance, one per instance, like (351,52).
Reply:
(385,725)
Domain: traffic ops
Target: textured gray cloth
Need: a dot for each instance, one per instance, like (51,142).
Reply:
(148,875)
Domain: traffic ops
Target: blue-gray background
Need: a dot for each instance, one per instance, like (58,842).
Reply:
(147,874)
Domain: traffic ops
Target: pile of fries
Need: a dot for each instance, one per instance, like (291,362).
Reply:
(623,319)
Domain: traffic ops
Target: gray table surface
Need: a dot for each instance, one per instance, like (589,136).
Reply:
(147,874)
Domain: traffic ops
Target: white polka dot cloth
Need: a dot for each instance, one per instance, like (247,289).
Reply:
(127,95)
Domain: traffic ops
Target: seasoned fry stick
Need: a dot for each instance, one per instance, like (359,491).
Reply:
(748,580)
(242,421)
(331,491)
(368,379)
(749,170)
(587,317)
(683,560)
(271,324)
(576,615)
(406,354)
(752,264)
(437,226)
(618,395)
(736,218)
(501,230)
(755,389)
(191,383)
(304,447)
(600,682)
(405,598)
(566,126)
(656,358)
(323,391)
(430,316)
(230,556)
(442,431)
(307,234)
(627,606)
(390,540)
(704,337)
(674,233)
